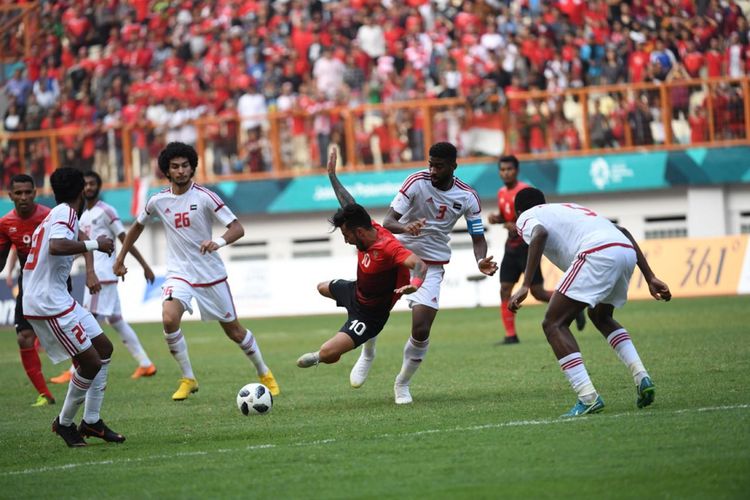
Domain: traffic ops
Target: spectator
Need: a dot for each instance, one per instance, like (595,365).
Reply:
(639,119)
(46,89)
(18,88)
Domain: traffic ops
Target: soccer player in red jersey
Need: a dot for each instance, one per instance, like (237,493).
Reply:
(514,258)
(16,228)
(383,275)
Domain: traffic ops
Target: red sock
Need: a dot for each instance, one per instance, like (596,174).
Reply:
(33,366)
(509,320)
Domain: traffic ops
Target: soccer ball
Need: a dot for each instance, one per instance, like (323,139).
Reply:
(254,399)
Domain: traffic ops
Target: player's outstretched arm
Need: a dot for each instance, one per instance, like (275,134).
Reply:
(418,272)
(536,250)
(133,234)
(658,289)
(392,224)
(345,198)
(234,232)
(148,273)
(486,264)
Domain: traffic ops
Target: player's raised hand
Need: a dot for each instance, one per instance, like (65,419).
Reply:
(518,297)
(487,265)
(332,161)
(106,245)
(415,227)
(659,290)
(208,246)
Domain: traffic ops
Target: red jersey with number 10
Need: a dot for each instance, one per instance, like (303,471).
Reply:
(506,203)
(17,231)
(380,271)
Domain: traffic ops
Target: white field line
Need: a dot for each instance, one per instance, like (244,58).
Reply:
(472,428)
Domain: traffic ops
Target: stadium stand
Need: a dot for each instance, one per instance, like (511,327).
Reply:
(264,88)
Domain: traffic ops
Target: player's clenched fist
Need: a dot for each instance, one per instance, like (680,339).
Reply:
(106,245)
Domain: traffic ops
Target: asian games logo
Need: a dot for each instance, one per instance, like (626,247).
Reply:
(602,173)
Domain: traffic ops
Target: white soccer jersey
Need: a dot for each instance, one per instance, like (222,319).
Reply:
(572,230)
(418,199)
(102,220)
(187,220)
(45,276)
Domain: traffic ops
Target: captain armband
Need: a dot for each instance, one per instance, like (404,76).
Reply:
(475,227)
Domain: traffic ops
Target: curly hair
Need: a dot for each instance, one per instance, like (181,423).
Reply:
(444,150)
(177,150)
(67,184)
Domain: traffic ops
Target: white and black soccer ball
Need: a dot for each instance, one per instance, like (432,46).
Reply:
(254,399)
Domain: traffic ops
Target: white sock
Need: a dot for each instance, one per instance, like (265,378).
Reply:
(178,348)
(625,350)
(250,347)
(131,341)
(414,353)
(368,349)
(574,369)
(95,394)
(77,389)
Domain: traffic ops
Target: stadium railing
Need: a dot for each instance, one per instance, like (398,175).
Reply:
(531,124)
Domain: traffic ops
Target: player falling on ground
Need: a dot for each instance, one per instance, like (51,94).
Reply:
(383,266)
(516,250)
(65,329)
(194,268)
(98,219)
(422,215)
(598,259)
(16,228)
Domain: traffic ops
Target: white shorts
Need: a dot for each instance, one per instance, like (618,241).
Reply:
(214,302)
(600,277)
(67,334)
(429,293)
(105,303)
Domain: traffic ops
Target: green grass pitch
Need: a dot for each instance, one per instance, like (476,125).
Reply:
(484,423)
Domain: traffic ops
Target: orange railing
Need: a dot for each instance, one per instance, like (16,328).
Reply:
(532,125)
(19,25)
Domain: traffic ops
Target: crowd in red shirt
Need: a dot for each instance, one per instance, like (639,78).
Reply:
(160,64)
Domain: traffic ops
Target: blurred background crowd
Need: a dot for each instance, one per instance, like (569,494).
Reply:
(155,67)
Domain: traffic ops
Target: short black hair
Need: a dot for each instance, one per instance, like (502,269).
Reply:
(177,150)
(67,184)
(444,150)
(527,198)
(20,178)
(91,173)
(509,159)
(353,215)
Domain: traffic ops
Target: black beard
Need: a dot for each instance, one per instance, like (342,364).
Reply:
(94,196)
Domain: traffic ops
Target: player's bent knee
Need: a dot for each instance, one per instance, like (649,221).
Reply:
(25,339)
(103,346)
